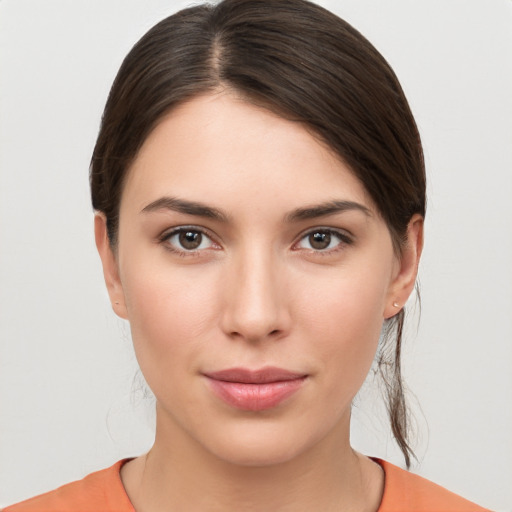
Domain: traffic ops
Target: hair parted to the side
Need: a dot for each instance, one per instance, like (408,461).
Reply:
(300,61)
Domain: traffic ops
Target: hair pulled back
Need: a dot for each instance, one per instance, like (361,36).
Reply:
(300,61)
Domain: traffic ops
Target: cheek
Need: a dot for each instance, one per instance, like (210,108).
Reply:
(345,300)
(344,318)
(171,312)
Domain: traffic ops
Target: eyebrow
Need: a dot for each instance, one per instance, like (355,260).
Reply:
(202,210)
(323,209)
(187,207)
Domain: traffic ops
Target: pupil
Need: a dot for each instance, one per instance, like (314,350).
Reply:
(190,239)
(320,240)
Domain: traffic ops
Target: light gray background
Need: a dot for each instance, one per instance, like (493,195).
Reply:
(68,405)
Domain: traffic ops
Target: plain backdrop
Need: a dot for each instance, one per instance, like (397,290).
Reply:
(70,398)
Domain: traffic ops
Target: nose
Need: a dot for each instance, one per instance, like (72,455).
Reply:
(256,306)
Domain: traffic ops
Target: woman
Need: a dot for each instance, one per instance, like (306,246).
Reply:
(260,194)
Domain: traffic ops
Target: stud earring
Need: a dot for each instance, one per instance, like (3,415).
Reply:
(396,305)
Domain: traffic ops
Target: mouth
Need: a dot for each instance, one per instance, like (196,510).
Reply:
(255,390)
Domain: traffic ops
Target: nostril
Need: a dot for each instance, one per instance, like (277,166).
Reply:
(275,333)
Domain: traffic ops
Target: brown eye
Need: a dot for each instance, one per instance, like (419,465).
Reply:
(324,240)
(319,240)
(186,240)
(190,240)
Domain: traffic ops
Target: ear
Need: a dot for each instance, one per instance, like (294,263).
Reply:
(110,266)
(404,277)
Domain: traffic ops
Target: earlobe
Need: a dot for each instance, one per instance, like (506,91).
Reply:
(110,266)
(405,279)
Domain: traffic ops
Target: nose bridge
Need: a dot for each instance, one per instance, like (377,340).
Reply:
(255,304)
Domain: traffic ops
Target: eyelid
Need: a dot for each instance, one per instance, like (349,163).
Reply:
(346,238)
(167,234)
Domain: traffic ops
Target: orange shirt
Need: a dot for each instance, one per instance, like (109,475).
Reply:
(103,491)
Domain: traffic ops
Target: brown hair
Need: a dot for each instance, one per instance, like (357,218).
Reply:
(296,59)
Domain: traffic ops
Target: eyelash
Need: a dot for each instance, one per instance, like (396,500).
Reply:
(165,237)
(344,240)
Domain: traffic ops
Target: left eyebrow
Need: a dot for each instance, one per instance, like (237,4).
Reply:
(186,207)
(323,209)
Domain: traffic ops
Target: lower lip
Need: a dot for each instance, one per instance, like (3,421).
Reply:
(255,397)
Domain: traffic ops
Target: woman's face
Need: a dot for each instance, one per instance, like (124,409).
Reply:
(256,274)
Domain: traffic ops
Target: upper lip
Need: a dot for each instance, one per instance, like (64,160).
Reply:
(261,376)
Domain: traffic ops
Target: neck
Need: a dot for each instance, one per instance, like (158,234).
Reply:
(179,474)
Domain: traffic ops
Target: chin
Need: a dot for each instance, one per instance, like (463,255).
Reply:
(261,444)
(261,453)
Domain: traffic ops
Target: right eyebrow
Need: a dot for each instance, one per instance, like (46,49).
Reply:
(325,209)
(187,207)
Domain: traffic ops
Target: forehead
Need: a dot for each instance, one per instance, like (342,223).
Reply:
(220,148)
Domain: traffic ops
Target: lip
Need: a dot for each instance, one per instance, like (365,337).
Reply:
(255,390)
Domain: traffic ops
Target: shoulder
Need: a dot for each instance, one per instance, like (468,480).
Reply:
(102,490)
(405,491)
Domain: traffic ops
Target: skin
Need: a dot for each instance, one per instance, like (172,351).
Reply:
(255,293)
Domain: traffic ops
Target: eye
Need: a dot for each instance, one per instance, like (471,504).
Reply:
(188,239)
(323,240)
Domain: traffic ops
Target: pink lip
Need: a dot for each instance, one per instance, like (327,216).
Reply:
(255,390)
